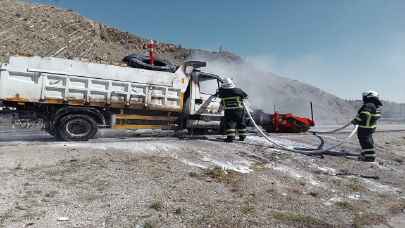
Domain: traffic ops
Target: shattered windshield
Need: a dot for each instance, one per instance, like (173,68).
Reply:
(208,85)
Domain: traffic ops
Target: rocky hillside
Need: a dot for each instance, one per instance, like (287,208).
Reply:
(29,29)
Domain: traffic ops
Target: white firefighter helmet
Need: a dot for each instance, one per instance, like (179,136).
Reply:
(227,83)
(370,94)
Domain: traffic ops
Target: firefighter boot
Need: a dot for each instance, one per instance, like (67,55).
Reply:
(368,156)
(242,134)
(366,159)
(242,137)
(230,138)
(230,134)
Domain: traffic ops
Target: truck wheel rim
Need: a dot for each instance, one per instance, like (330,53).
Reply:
(78,128)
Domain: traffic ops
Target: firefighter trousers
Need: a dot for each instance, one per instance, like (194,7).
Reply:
(367,145)
(235,123)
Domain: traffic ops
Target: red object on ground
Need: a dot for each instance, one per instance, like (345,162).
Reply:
(152,47)
(289,123)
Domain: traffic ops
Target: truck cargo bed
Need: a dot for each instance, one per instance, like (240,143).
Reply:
(62,81)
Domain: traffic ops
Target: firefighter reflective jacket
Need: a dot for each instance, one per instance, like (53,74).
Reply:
(232,98)
(367,116)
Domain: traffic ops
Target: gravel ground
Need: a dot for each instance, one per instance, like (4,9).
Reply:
(164,181)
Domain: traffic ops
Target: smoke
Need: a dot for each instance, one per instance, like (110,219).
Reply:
(268,91)
(249,79)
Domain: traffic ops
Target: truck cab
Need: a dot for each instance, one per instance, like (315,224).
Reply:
(202,105)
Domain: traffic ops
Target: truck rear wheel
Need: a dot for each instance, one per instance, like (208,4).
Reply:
(77,127)
(54,133)
(51,130)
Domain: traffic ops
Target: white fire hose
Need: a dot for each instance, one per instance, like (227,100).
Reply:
(292,149)
(332,131)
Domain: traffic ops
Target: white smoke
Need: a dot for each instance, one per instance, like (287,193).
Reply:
(267,90)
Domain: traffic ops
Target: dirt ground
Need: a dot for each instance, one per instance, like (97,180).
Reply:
(157,180)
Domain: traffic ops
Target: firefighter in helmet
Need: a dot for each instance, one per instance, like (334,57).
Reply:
(366,119)
(234,118)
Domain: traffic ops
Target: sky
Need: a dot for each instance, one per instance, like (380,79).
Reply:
(341,46)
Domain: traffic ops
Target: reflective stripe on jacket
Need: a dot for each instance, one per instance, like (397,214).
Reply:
(232,98)
(232,103)
(367,116)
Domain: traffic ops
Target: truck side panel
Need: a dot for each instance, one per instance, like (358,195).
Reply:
(21,84)
(97,92)
(92,70)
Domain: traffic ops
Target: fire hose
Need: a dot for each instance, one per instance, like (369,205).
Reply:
(332,131)
(305,151)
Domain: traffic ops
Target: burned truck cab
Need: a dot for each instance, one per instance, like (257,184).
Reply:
(202,106)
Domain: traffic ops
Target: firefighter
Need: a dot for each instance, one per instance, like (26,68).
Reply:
(367,118)
(234,118)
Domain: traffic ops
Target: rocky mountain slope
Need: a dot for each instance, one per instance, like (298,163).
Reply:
(32,29)
(29,29)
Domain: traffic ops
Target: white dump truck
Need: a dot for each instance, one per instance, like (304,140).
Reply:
(75,98)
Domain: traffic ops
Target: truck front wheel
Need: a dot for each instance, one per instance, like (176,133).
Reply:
(54,133)
(77,127)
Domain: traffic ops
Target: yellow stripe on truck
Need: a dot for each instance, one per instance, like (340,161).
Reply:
(142,117)
(134,126)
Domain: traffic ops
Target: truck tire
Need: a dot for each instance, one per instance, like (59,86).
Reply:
(142,61)
(54,133)
(51,130)
(77,127)
(197,131)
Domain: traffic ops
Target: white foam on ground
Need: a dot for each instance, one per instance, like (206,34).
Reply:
(325,170)
(354,196)
(336,198)
(285,142)
(241,166)
(333,200)
(190,163)
(297,174)
(378,187)
(137,147)
(175,150)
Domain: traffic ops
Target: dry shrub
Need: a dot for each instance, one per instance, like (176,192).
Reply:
(366,219)
(223,176)
(345,205)
(300,220)
(396,207)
